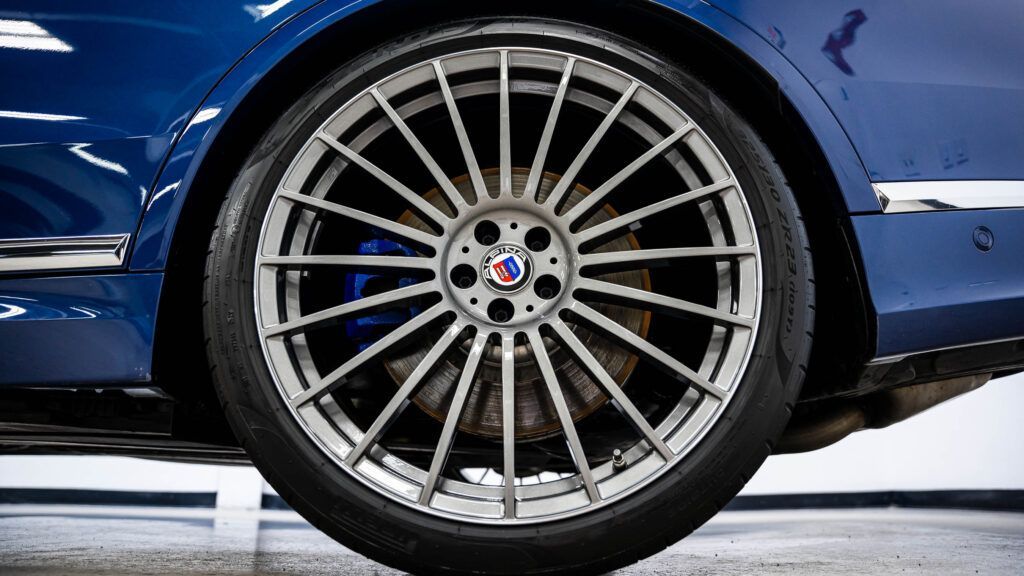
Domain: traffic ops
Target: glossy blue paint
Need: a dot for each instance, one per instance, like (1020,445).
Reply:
(83,330)
(931,91)
(108,109)
(793,85)
(93,95)
(79,189)
(933,288)
(159,223)
(924,93)
(160,220)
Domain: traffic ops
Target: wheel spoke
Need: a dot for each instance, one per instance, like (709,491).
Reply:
(401,230)
(504,131)
(403,397)
(508,422)
(418,202)
(549,129)
(592,201)
(561,189)
(598,373)
(359,262)
(564,416)
(396,336)
(460,132)
(454,198)
(608,227)
(640,346)
(657,257)
(373,303)
(451,422)
(637,298)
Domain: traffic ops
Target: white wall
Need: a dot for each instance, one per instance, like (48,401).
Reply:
(107,473)
(975,441)
(972,442)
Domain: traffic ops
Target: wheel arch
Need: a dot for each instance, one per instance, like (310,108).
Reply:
(741,66)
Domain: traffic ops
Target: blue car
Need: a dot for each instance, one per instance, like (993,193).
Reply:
(503,287)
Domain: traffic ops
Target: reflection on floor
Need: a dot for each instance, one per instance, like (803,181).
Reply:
(98,540)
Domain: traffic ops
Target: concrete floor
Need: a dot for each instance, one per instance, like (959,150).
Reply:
(95,540)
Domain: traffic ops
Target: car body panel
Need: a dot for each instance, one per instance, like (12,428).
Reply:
(931,92)
(96,93)
(158,226)
(146,90)
(76,189)
(933,288)
(161,218)
(78,330)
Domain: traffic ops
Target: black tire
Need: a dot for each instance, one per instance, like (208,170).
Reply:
(607,538)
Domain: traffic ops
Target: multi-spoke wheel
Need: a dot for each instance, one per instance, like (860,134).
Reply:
(509,298)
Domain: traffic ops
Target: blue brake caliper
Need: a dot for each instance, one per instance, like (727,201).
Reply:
(366,330)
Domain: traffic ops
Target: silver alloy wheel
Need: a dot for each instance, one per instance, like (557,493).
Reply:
(546,296)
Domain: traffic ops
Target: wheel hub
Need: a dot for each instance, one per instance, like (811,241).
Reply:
(487,237)
(506,265)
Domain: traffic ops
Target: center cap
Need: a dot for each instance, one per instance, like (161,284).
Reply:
(506,269)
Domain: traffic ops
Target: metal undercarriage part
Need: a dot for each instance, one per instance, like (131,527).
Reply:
(817,425)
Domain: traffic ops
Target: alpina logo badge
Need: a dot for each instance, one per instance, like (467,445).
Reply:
(506,268)
(507,271)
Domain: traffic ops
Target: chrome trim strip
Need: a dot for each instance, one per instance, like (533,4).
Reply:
(69,252)
(924,196)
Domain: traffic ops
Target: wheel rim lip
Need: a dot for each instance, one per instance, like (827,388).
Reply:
(566,485)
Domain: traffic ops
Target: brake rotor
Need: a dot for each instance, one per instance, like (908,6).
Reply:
(535,414)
